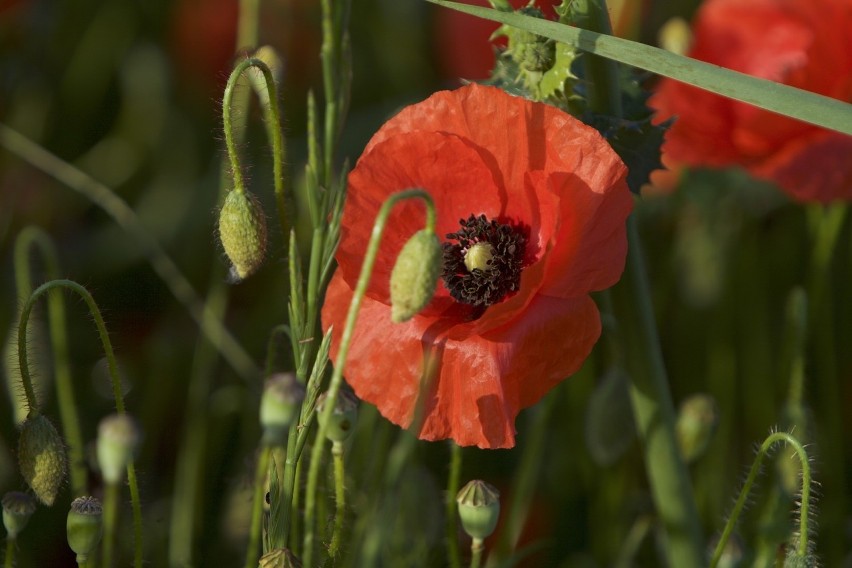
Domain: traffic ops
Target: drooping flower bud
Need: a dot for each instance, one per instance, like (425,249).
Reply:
(84,526)
(242,229)
(17,509)
(279,406)
(118,439)
(42,458)
(279,558)
(696,423)
(342,417)
(479,508)
(414,275)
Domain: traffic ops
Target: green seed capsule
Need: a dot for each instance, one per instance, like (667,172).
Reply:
(696,423)
(242,229)
(41,458)
(84,526)
(415,275)
(118,438)
(279,405)
(479,508)
(17,509)
(342,417)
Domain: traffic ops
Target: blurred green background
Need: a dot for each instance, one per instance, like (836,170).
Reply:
(130,92)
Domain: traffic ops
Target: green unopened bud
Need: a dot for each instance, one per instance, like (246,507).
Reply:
(41,458)
(415,275)
(279,406)
(342,417)
(696,423)
(118,438)
(531,52)
(17,509)
(84,526)
(279,558)
(479,508)
(242,229)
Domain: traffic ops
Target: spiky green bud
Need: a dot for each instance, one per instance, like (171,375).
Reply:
(84,526)
(42,458)
(242,229)
(17,509)
(343,416)
(415,275)
(118,438)
(479,508)
(279,405)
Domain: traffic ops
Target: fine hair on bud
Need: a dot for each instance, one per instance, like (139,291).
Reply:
(242,230)
(415,274)
(42,458)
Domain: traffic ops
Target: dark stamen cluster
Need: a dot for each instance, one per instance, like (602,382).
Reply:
(485,287)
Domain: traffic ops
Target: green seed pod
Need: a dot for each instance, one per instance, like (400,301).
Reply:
(42,458)
(118,438)
(17,509)
(342,417)
(415,274)
(279,406)
(279,558)
(696,423)
(479,508)
(242,229)
(84,526)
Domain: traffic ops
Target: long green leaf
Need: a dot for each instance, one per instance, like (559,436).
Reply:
(796,103)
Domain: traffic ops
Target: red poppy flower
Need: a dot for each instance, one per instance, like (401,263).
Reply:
(549,196)
(803,43)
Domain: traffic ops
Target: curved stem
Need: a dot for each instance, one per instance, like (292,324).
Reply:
(339,497)
(111,495)
(28,237)
(102,196)
(260,473)
(802,546)
(453,484)
(113,371)
(345,340)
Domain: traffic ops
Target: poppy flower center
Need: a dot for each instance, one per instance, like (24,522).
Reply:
(484,263)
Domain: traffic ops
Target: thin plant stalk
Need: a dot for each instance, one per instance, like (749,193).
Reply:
(112,492)
(113,371)
(803,537)
(9,561)
(102,196)
(56,315)
(451,505)
(260,474)
(339,498)
(477,547)
(345,341)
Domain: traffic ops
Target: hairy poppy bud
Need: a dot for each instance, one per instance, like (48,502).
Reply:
(84,526)
(118,438)
(17,509)
(342,417)
(279,558)
(414,275)
(41,458)
(793,560)
(479,508)
(242,229)
(279,405)
(696,423)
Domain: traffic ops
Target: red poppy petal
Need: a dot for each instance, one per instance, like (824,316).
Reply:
(482,382)
(444,165)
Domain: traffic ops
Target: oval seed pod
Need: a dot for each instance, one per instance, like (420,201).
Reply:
(118,438)
(279,406)
(342,417)
(42,458)
(696,423)
(18,507)
(414,275)
(84,526)
(479,508)
(242,230)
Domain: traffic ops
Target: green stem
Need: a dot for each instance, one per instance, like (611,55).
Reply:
(476,549)
(28,237)
(249,24)
(113,371)
(126,218)
(602,74)
(9,562)
(345,341)
(260,473)
(655,417)
(453,484)
(772,439)
(111,495)
(340,499)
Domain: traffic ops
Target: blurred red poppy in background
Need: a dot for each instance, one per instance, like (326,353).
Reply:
(802,43)
(546,195)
